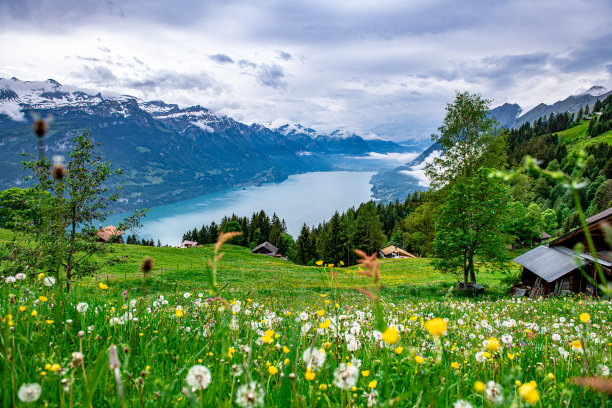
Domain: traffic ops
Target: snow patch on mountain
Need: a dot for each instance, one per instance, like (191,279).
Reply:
(203,125)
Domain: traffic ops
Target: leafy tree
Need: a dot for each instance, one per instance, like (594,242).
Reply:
(472,223)
(67,238)
(534,223)
(472,220)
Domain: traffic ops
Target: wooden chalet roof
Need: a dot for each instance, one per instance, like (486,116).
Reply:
(392,248)
(265,248)
(593,223)
(108,232)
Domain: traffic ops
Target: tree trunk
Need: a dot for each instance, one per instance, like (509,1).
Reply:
(471,267)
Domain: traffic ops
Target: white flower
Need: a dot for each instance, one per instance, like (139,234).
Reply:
(49,281)
(462,404)
(494,393)
(480,357)
(304,316)
(198,377)
(29,392)
(250,395)
(506,339)
(10,279)
(371,397)
(314,358)
(306,328)
(82,307)
(20,276)
(605,370)
(345,376)
(186,295)
(556,337)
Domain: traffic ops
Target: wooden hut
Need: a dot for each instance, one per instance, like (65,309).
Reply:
(555,268)
(266,249)
(395,252)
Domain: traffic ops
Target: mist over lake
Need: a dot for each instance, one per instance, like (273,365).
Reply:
(304,198)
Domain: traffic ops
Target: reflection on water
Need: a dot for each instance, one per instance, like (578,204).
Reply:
(304,198)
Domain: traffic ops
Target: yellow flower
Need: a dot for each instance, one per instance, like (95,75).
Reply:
(517,383)
(286,349)
(325,324)
(436,327)
(320,313)
(479,386)
(576,344)
(455,365)
(286,362)
(372,384)
(486,354)
(272,370)
(585,317)
(49,321)
(327,345)
(148,367)
(34,313)
(319,263)
(230,352)
(22,308)
(55,367)
(179,312)
(43,373)
(550,376)
(511,356)
(309,375)
(365,373)
(41,275)
(341,263)
(493,344)
(43,298)
(419,359)
(398,350)
(529,393)
(391,335)
(102,285)
(323,387)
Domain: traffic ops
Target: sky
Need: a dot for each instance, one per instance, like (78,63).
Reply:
(384,68)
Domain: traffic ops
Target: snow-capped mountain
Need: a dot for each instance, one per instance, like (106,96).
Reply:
(169,153)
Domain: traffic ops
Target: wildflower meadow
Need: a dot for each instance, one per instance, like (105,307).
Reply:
(104,345)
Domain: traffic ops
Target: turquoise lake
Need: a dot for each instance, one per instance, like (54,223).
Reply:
(303,198)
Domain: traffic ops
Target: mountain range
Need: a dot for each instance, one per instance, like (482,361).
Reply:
(168,153)
(397,183)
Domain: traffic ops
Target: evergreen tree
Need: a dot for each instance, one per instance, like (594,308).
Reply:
(369,236)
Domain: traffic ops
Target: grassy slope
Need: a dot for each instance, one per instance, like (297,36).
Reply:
(184,269)
(576,137)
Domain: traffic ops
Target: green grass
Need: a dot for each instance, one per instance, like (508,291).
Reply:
(576,137)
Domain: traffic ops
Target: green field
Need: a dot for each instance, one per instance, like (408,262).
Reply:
(576,137)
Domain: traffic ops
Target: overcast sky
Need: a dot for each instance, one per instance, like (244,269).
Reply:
(384,67)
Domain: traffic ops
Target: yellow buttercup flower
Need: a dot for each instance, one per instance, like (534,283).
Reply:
(455,365)
(529,393)
(391,335)
(49,321)
(310,375)
(179,312)
(286,349)
(510,356)
(479,386)
(272,370)
(34,313)
(372,384)
(319,263)
(325,324)
(365,373)
(576,344)
(286,362)
(398,350)
(585,317)
(419,359)
(436,327)
(43,298)
(41,275)
(102,285)
(320,313)
(323,387)
(493,344)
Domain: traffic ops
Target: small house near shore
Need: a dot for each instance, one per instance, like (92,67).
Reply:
(266,249)
(110,233)
(395,252)
(555,268)
(188,244)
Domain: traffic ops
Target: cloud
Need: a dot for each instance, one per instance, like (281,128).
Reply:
(173,80)
(12,110)
(418,172)
(222,59)
(284,55)
(98,74)
(271,75)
